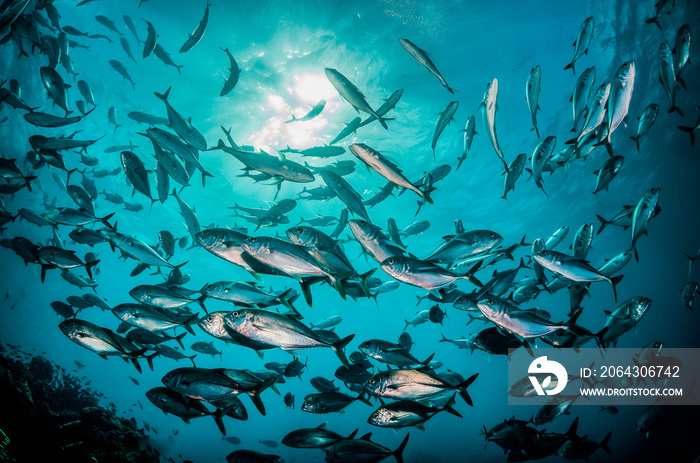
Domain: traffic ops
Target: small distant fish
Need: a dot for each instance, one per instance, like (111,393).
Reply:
(582,42)
(667,75)
(532,94)
(663,7)
(234,74)
(315,111)
(121,69)
(445,118)
(646,120)
(150,43)
(198,33)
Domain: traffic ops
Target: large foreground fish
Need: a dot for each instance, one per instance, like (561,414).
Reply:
(281,331)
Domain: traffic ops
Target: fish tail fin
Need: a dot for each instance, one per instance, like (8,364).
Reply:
(680,81)
(178,68)
(469,276)
(364,399)
(676,109)
(636,141)
(200,301)
(44,268)
(462,389)
(381,121)
(604,444)
(636,254)
(338,347)
(192,360)
(284,299)
(398,453)
(179,337)
(654,20)
(29,179)
(338,285)
(363,281)
(188,326)
(135,362)
(149,359)
(449,407)
(68,174)
(427,361)
(571,433)
(293,119)
(615,280)
(255,392)
(603,223)
(691,131)
(426,196)
(606,142)
(90,265)
(218,418)
(205,174)
(570,66)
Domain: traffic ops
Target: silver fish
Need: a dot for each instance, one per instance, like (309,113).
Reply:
(582,42)
(424,274)
(488,107)
(608,172)
(539,159)
(681,52)
(469,132)
(315,111)
(532,95)
(198,33)
(642,213)
(646,120)
(280,331)
(234,74)
(385,168)
(515,170)
(445,118)
(423,58)
(582,93)
(619,101)
(151,39)
(667,75)
(573,269)
(352,94)
(182,126)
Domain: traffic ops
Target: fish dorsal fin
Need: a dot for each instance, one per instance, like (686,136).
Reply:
(321,426)
(367,436)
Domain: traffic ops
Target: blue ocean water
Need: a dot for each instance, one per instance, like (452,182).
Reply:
(282,49)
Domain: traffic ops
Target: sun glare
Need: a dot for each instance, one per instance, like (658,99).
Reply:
(312,87)
(306,91)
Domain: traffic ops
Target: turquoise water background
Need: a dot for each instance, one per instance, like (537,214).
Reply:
(282,49)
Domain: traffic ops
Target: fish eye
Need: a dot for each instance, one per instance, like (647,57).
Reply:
(492,234)
(235,314)
(362,222)
(544,252)
(371,381)
(391,261)
(491,301)
(251,240)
